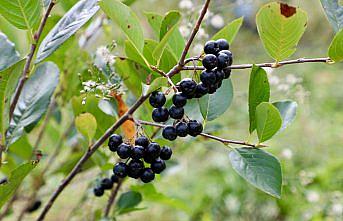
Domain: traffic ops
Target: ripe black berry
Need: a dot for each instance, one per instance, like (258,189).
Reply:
(223,44)
(210,61)
(114,141)
(98,191)
(208,78)
(147,175)
(114,178)
(223,60)
(201,90)
(187,86)
(124,151)
(142,141)
(179,100)
(137,152)
(181,129)
(219,75)
(153,150)
(228,53)
(34,206)
(106,184)
(120,170)
(227,73)
(212,88)
(211,47)
(194,128)
(158,166)
(135,168)
(176,112)
(160,114)
(166,153)
(169,133)
(157,99)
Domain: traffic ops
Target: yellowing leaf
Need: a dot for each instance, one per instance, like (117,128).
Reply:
(86,125)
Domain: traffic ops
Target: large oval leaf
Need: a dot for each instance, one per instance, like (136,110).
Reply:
(34,100)
(72,21)
(259,168)
(128,201)
(230,31)
(8,54)
(268,121)
(214,105)
(280,27)
(24,14)
(288,110)
(336,47)
(334,12)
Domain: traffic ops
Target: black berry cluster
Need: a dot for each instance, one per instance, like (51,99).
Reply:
(105,184)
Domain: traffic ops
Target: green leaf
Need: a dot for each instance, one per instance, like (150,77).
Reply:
(126,19)
(34,100)
(86,125)
(8,81)
(259,168)
(288,110)
(17,176)
(334,13)
(280,28)
(149,47)
(24,14)
(259,91)
(230,31)
(135,55)
(128,200)
(156,84)
(108,107)
(8,54)
(268,121)
(155,21)
(72,21)
(214,105)
(336,47)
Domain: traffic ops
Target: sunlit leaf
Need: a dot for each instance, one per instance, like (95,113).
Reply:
(86,125)
(230,31)
(268,121)
(336,47)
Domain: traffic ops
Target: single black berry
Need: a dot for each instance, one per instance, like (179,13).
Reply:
(147,175)
(176,112)
(135,168)
(166,153)
(114,141)
(114,178)
(208,77)
(181,129)
(179,100)
(142,141)
(228,53)
(227,73)
(212,88)
(219,75)
(194,128)
(137,152)
(34,206)
(158,166)
(106,184)
(201,90)
(223,60)
(187,86)
(124,151)
(211,47)
(152,151)
(157,99)
(120,170)
(148,159)
(223,44)
(169,133)
(210,61)
(98,191)
(160,114)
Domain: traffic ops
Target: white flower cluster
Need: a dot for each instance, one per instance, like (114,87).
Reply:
(103,56)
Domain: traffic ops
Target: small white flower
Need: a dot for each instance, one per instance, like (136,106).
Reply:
(197,49)
(312,196)
(217,21)
(287,153)
(283,87)
(184,30)
(186,4)
(202,33)
(292,79)
(104,55)
(274,80)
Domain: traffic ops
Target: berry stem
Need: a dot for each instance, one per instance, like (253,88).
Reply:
(112,197)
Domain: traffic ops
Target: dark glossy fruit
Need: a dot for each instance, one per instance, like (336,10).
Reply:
(142,141)
(223,60)
(124,151)
(152,151)
(166,153)
(223,44)
(208,77)
(114,141)
(200,91)
(176,112)
(98,191)
(135,168)
(187,86)
(157,99)
(106,184)
(228,53)
(210,61)
(194,128)
(114,178)
(211,47)
(34,206)
(147,175)
(169,133)
(120,170)
(212,88)
(158,166)
(160,114)
(179,100)
(227,73)
(137,152)
(219,75)
(181,129)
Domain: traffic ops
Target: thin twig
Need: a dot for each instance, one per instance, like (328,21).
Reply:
(154,68)
(112,198)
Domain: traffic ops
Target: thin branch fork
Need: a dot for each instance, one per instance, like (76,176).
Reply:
(112,198)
